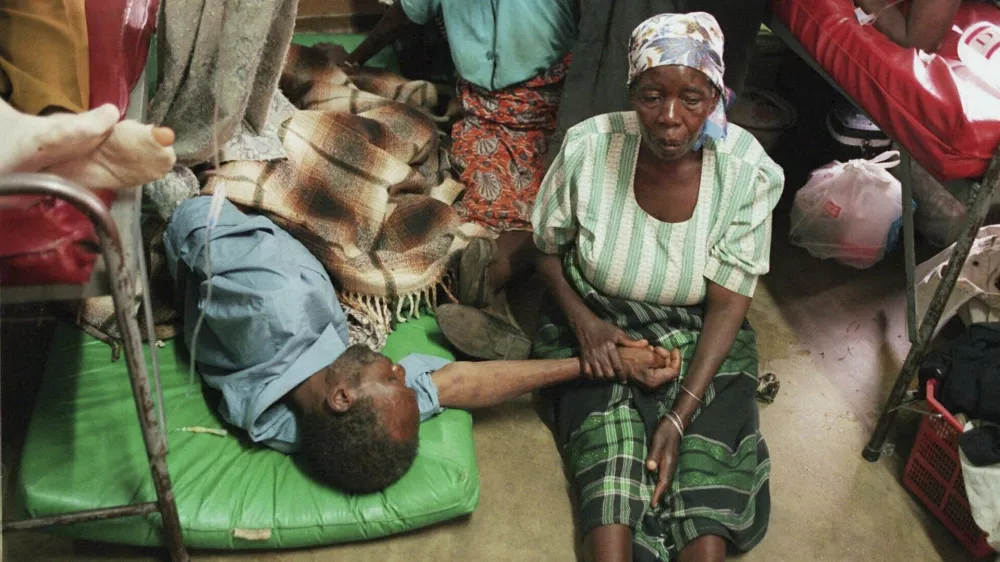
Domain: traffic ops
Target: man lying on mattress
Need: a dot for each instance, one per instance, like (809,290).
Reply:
(274,341)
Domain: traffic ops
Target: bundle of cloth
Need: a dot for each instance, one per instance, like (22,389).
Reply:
(968,373)
(968,370)
(366,186)
(350,165)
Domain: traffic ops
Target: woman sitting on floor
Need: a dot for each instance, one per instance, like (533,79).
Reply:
(655,225)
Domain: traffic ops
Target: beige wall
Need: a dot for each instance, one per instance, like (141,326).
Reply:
(338,16)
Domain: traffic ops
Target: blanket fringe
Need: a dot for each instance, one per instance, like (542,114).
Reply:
(447,283)
(386,311)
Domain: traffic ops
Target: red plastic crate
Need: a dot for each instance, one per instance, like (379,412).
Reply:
(934,474)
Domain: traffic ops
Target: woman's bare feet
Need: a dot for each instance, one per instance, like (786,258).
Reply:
(29,143)
(133,154)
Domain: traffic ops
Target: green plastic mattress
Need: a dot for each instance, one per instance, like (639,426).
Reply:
(84,451)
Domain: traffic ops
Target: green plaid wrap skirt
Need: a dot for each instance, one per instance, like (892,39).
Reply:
(720,486)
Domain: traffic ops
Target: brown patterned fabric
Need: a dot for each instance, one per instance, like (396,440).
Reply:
(366,187)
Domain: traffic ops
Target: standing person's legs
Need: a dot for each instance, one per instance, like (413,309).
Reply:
(740,23)
(501,147)
(487,266)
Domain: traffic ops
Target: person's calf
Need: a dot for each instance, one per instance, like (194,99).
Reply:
(525,295)
(608,543)
(708,548)
(515,252)
(475,287)
(486,266)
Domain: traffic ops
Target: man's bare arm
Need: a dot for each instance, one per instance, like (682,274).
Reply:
(929,21)
(389,28)
(471,385)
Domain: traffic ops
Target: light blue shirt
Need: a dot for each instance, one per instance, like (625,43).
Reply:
(498,43)
(273,321)
(419,368)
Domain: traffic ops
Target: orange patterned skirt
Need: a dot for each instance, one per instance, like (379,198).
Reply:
(500,148)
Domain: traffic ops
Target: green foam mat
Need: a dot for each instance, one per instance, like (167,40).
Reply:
(84,450)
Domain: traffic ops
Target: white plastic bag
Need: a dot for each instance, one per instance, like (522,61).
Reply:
(849,211)
(982,486)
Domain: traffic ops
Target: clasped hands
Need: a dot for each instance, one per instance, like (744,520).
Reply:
(608,353)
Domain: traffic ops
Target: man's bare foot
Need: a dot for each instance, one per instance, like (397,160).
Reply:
(652,367)
(133,154)
(29,143)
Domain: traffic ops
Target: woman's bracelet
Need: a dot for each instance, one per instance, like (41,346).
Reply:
(692,395)
(676,420)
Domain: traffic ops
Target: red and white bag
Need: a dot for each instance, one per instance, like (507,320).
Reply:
(849,211)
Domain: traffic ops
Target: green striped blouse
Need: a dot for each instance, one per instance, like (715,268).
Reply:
(587,205)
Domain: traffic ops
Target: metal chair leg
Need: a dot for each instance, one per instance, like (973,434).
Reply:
(981,197)
(123,295)
(909,253)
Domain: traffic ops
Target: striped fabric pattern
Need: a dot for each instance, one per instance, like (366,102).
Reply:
(587,205)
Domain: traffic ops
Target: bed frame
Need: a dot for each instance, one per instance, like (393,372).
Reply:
(121,273)
(980,194)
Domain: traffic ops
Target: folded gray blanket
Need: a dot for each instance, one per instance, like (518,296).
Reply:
(241,42)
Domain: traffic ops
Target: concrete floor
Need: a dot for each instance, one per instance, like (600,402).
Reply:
(834,336)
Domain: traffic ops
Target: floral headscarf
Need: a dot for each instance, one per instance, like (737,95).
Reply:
(693,40)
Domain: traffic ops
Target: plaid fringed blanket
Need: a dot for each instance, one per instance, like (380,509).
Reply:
(366,187)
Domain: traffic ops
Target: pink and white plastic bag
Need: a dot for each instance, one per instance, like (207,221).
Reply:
(849,211)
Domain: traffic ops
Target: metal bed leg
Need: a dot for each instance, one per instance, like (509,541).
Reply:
(982,195)
(123,295)
(909,257)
